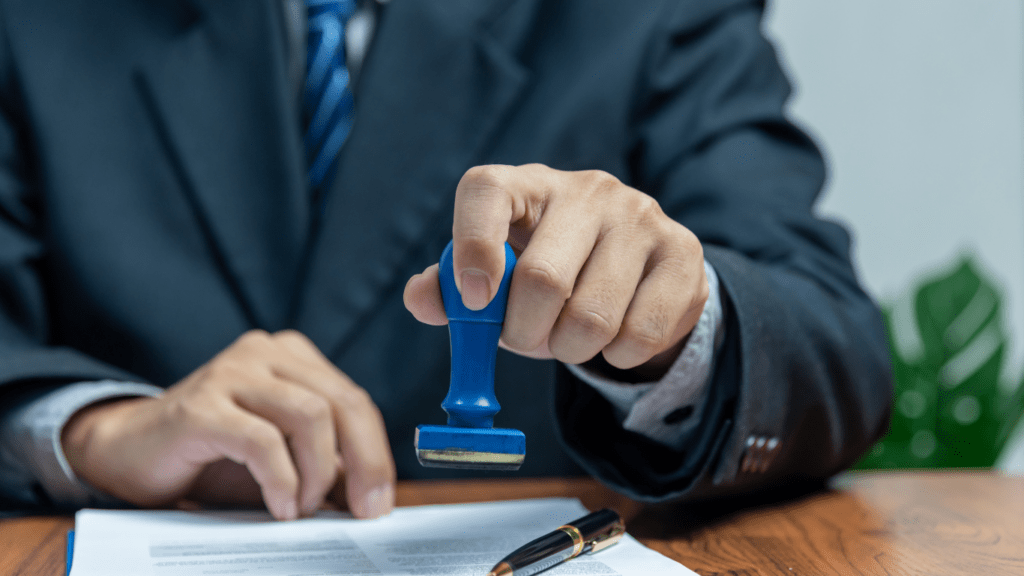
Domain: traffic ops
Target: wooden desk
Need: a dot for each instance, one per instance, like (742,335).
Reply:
(915,523)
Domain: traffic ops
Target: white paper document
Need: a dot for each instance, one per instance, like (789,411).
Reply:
(459,539)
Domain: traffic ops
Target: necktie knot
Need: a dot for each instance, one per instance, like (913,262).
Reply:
(339,9)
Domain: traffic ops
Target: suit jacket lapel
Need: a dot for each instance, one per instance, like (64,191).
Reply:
(433,90)
(219,93)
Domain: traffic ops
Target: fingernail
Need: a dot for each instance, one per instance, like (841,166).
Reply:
(476,289)
(290,510)
(379,502)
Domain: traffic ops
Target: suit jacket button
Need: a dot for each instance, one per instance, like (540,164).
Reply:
(762,454)
(747,461)
(771,451)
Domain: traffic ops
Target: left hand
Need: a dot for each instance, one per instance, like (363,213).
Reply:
(602,269)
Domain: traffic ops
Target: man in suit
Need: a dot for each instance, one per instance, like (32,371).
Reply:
(164,225)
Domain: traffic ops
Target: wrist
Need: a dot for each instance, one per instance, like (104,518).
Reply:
(82,432)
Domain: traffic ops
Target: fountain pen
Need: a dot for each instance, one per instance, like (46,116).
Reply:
(592,533)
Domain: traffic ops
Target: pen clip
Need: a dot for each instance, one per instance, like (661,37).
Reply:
(610,538)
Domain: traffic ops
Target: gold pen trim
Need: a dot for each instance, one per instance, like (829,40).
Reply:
(577,539)
(618,530)
(502,569)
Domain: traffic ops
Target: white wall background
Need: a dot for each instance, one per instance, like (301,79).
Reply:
(919,107)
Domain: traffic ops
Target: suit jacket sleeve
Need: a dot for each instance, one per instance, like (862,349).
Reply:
(804,360)
(27,353)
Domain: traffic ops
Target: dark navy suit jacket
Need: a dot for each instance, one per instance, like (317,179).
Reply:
(153,208)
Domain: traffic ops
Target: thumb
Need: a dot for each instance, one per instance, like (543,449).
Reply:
(423,298)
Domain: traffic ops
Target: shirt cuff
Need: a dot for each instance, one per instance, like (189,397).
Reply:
(30,437)
(669,410)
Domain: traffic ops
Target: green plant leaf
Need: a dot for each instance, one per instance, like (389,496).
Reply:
(948,410)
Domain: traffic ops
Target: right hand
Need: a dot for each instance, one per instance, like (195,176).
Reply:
(268,417)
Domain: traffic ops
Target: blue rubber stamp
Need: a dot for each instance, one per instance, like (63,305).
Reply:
(470,439)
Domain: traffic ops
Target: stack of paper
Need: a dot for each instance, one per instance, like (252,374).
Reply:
(451,540)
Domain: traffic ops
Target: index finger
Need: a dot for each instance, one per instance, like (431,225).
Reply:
(488,200)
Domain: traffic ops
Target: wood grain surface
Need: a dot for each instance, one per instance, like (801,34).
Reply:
(917,523)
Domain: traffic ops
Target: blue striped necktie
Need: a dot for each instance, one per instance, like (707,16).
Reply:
(327,99)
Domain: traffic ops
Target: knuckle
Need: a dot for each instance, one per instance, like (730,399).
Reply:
(540,275)
(483,183)
(644,209)
(216,371)
(591,320)
(254,337)
(286,481)
(647,337)
(313,408)
(680,253)
(475,244)
(250,343)
(293,337)
(262,438)
(601,183)
(354,398)
(685,239)
(677,242)
(328,472)
(521,339)
(223,370)
(485,177)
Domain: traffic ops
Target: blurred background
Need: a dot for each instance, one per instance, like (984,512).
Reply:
(918,106)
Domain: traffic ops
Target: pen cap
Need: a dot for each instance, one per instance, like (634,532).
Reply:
(599,524)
